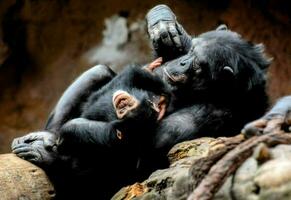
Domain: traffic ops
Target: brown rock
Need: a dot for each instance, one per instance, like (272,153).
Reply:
(130,192)
(265,175)
(20,179)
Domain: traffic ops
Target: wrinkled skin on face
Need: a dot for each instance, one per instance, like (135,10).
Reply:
(124,103)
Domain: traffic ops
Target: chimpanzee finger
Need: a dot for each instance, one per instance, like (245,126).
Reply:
(174,35)
(21,149)
(29,156)
(274,124)
(28,138)
(255,128)
(153,65)
(155,37)
(21,140)
(15,142)
(156,63)
(287,122)
(17,146)
(164,35)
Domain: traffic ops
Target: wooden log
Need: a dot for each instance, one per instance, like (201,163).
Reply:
(20,179)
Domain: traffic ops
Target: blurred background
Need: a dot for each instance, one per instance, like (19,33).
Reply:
(46,44)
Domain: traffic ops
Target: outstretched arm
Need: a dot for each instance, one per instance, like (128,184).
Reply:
(278,118)
(168,37)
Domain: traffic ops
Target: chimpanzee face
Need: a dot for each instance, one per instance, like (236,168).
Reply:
(185,71)
(216,57)
(136,109)
(138,103)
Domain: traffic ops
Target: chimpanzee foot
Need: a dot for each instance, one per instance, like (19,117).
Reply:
(27,152)
(37,147)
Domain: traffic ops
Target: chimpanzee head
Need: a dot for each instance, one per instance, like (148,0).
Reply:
(138,103)
(137,110)
(218,59)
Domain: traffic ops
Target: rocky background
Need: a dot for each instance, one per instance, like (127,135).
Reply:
(46,44)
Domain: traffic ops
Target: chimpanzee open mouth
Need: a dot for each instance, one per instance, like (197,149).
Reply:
(123,103)
(168,76)
(171,79)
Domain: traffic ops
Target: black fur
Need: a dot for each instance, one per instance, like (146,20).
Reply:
(218,86)
(94,133)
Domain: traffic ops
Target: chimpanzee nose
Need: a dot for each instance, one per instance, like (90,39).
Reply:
(185,61)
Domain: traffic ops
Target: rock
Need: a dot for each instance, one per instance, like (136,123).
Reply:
(20,179)
(170,183)
(197,149)
(271,180)
(265,175)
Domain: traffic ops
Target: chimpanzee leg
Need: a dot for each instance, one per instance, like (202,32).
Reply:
(39,147)
(168,37)
(69,105)
(279,117)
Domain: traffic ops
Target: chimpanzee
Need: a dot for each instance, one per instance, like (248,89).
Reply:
(217,83)
(135,98)
(217,80)
(113,126)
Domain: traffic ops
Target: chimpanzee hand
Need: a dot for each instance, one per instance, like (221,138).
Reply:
(264,125)
(278,118)
(36,147)
(168,37)
(153,65)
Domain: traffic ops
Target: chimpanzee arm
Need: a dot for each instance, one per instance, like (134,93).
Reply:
(81,133)
(190,123)
(69,105)
(279,117)
(168,37)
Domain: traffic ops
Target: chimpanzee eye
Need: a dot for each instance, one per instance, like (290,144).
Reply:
(203,64)
(191,51)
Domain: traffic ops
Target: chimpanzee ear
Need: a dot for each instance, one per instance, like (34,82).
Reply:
(228,69)
(222,27)
(227,72)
